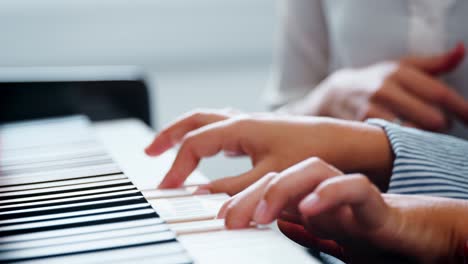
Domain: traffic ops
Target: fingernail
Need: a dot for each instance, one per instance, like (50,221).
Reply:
(150,152)
(260,211)
(309,202)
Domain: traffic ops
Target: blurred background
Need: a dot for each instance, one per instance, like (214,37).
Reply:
(203,53)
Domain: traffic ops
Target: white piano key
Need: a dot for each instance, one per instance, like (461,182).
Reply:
(102,235)
(37,177)
(82,219)
(48,164)
(53,168)
(69,200)
(198,226)
(167,253)
(59,183)
(68,194)
(21,144)
(73,231)
(192,208)
(168,193)
(87,246)
(73,214)
(66,188)
(260,246)
(64,153)
(181,258)
(71,205)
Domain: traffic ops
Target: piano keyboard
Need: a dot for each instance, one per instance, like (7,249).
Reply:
(76,192)
(63,199)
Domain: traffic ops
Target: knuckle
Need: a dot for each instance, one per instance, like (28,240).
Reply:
(274,189)
(271,175)
(189,139)
(316,161)
(361,179)
(197,115)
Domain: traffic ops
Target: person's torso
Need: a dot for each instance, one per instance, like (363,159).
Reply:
(364,32)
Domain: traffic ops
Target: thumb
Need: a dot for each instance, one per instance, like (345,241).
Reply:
(235,184)
(438,64)
(300,235)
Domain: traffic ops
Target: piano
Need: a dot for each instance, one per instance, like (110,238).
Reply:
(72,191)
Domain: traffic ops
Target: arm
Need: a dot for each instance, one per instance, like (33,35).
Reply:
(302,57)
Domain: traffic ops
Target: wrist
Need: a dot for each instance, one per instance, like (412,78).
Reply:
(367,150)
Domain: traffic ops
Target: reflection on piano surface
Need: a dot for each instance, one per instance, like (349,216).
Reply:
(63,199)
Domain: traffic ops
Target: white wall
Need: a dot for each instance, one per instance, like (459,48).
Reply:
(165,33)
(200,53)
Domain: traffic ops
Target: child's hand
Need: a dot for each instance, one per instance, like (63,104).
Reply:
(273,143)
(347,216)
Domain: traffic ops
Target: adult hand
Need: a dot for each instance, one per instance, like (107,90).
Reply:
(273,143)
(346,216)
(406,90)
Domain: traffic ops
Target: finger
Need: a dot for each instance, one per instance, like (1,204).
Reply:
(409,107)
(433,91)
(291,186)
(203,142)
(177,130)
(381,112)
(438,64)
(223,210)
(292,217)
(235,184)
(367,204)
(377,111)
(301,236)
(239,212)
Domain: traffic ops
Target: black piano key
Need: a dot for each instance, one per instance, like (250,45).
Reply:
(68,215)
(70,207)
(68,200)
(159,238)
(91,246)
(79,238)
(166,253)
(64,189)
(63,199)
(77,222)
(60,183)
(76,231)
(71,194)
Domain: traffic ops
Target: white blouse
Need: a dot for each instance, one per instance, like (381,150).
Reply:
(321,36)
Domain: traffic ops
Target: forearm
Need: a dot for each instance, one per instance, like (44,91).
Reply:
(362,148)
(431,229)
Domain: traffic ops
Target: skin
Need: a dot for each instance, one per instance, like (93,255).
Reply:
(273,143)
(347,216)
(317,204)
(408,89)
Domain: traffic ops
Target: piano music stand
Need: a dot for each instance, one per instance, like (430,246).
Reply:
(100,92)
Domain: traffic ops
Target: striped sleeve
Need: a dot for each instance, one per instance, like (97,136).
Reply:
(427,163)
